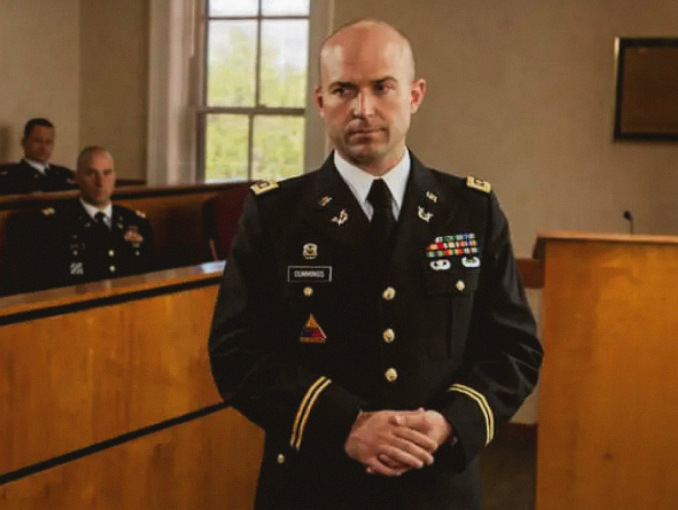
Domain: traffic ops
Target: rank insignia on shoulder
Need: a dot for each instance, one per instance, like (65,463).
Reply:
(141,214)
(312,333)
(261,187)
(479,184)
(49,211)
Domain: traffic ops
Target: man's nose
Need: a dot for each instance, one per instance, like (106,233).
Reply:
(363,105)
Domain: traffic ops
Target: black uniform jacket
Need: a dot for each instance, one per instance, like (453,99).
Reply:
(303,337)
(21,178)
(67,247)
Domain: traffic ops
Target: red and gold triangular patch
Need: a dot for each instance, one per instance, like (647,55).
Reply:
(312,333)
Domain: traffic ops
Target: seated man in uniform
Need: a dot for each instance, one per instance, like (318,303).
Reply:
(34,172)
(88,238)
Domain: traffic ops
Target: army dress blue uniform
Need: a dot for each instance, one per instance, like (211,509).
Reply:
(303,338)
(21,178)
(70,247)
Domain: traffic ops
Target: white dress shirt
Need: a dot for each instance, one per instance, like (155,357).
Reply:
(359,182)
(92,211)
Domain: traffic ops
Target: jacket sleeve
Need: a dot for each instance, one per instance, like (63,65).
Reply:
(503,355)
(253,357)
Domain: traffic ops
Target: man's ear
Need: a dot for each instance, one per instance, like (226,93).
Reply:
(417,93)
(318,99)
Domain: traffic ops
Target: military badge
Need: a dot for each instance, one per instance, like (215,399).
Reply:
(133,236)
(49,211)
(470,262)
(454,245)
(312,333)
(310,251)
(77,268)
(432,196)
(424,215)
(141,214)
(342,218)
(440,264)
(479,184)
(261,187)
(324,201)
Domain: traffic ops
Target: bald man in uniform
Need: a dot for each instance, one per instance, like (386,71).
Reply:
(88,238)
(371,317)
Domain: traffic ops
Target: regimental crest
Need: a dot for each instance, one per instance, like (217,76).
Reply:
(261,187)
(341,218)
(312,333)
(453,245)
(310,251)
(424,214)
(479,184)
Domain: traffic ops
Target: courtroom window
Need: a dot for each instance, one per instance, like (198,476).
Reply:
(254,80)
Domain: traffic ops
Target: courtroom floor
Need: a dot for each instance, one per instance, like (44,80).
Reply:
(507,472)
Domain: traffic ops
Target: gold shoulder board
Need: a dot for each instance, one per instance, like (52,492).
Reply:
(261,187)
(479,184)
(49,211)
(141,214)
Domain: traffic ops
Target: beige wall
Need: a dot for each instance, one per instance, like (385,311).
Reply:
(39,65)
(114,81)
(521,94)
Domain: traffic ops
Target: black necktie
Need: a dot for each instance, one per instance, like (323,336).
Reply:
(383,221)
(100,220)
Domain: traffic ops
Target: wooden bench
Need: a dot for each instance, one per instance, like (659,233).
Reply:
(175,213)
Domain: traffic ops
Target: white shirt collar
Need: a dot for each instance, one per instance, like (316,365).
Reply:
(359,182)
(91,210)
(40,167)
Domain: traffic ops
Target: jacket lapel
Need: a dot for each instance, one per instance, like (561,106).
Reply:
(427,208)
(332,209)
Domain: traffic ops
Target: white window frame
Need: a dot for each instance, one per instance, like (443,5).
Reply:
(174,90)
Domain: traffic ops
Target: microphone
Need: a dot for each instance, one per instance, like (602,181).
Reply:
(629,217)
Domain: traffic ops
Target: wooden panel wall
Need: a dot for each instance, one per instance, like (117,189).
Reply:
(608,407)
(72,380)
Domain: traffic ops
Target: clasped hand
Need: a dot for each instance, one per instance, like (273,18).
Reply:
(390,443)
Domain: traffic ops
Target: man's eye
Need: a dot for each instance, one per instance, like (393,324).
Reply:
(381,88)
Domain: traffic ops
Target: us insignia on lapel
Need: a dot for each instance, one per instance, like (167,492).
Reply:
(479,184)
(432,196)
(312,333)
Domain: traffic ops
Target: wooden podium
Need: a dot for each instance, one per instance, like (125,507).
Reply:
(608,410)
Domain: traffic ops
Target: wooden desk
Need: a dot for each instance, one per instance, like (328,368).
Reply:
(608,402)
(106,399)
